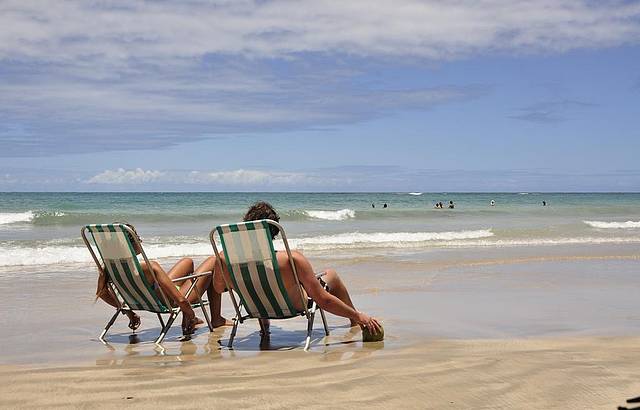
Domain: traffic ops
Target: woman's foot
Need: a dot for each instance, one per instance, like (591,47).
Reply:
(189,319)
(134,319)
(221,321)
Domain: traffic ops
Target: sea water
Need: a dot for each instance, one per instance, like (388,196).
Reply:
(38,230)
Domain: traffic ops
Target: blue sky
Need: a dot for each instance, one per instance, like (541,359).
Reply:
(320,96)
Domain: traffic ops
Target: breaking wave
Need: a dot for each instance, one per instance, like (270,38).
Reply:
(397,239)
(339,215)
(61,254)
(7,218)
(14,217)
(613,225)
(51,252)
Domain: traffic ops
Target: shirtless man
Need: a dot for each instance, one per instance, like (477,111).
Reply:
(336,300)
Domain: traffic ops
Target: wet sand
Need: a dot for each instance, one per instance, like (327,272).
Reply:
(534,328)
(540,374)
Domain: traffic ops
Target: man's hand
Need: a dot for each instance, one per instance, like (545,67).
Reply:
(369,322)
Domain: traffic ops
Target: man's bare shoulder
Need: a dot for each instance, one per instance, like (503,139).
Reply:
(284,258)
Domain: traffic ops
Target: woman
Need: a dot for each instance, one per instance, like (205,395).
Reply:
(175,291)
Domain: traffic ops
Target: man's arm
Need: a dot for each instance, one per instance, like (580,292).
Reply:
(326,300)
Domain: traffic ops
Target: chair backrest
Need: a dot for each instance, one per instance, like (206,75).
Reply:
(253,267)
(122,266)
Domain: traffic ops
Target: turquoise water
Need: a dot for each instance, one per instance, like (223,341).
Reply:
(43,228)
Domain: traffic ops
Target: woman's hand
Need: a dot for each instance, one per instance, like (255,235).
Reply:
(368,322)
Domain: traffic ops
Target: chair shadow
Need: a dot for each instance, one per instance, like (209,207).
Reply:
(128,346)
(288,339)
(633,400)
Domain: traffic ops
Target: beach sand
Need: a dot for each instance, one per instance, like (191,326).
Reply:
(587,373)
(528,328)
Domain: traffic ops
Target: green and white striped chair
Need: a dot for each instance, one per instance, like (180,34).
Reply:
(255,276)
(126,278)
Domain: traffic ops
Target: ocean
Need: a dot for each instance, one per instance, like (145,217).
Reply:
(39,231)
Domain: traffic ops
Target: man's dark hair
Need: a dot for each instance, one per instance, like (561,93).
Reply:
(263,210)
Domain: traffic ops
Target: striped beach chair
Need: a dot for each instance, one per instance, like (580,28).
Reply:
(117,259)
(255,276)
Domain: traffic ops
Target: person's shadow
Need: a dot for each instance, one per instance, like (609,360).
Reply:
(634,400)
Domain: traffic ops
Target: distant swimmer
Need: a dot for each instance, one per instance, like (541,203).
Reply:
(384,206)
(544,203)
(437,205)
(451,205)
(493,203)
(373,205)
(440,205)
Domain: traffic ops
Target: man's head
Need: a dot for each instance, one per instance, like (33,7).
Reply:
(136,246)
(263,210)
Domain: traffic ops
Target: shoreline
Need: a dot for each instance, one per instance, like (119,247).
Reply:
(450,295)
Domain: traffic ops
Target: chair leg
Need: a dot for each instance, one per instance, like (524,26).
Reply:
(236,321)
(324,319)
(160,319)
(206,315)
(324,322)
(109,324)
(307,342)
(165,329)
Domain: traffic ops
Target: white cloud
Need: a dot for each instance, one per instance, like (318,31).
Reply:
(344,179)
(145,75)
(247,177)
(124,177)
(244,178)
(121,30)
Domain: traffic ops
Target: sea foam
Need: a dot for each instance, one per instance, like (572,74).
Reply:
(388,238)
(56,254)
(75,255)
(14,217)
(613,225)
(339,215)
(52,254)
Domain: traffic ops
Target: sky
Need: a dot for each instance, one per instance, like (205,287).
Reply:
(347,96)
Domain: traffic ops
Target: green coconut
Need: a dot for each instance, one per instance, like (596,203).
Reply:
(367,336)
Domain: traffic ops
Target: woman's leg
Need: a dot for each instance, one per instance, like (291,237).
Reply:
(215,298)
(184,267)
(108,297)
(189,319)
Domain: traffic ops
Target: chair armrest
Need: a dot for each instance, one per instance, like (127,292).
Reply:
(196,275)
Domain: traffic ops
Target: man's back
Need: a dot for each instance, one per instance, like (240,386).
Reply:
(286,273)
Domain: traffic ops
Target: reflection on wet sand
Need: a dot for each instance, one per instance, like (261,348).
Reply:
(344,343)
